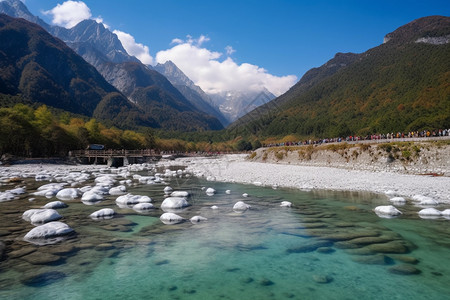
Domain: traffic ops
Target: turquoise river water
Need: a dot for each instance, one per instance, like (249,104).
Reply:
(329,245)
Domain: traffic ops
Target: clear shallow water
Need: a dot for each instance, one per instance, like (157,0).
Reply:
(328,246)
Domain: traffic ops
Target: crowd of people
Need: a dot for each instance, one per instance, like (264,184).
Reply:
(374,137)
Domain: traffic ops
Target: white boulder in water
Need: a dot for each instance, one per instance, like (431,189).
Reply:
(286,204)
(168,190)
(424,200)
(118,190)
(245,195)
(214,207)
(398,200)
(132,199)
(174,203)
(49,230)
(430,213)
(446,213)
(197,219)
(143,206)
(91,196)
(228,192)
(241,206)
(40,216)
(180,194)
(17,191)
(210,191)
(103,213)
(387,211)
(68,194)
(171,218)
(6,196)
(55,204)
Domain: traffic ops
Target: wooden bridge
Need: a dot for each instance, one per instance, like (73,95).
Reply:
(116,158)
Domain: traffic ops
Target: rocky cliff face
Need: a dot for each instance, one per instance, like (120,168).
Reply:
(192,92)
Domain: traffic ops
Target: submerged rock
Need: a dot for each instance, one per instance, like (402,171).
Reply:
(404,269)
(43,279)
(132,199)
(310,246)
(323,278)
(198,219)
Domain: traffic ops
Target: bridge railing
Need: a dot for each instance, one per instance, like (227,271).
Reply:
(113,153)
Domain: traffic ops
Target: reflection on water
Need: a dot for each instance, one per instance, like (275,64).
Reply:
(329,245)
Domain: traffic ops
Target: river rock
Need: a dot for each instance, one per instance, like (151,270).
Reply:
(174,203)
(43,279)
(241,206)
(378,259)
(387,211)
(91,196)
(55,204)
(404,269)
(132,199)
(143,207)
(171,218)
(102,213)
(178,194)
(429,212)
(390,247)
(42,258)
(197,219)
(40,216)
(286,204)
(118,190)
(68,194)
(210,191)
(310,246)
(323,278)
(48,230)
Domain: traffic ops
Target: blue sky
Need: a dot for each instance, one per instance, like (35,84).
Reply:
(282,37)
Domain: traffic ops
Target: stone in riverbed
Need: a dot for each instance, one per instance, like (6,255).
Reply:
(21,252)
(310,247)
(42,258)
(325,250)
(43,279)
(104,213)
(404,270)
(323,278)
(387,211)
(49,230)
(241,206)
(378,259)
(266,282)
(40,216)
(171,218)
(174,203)
(68,194)
(55,204)
(390,247)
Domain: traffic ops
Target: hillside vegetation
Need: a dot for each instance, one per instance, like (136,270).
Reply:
(401,85)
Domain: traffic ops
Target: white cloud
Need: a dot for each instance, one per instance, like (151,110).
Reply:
(133,48)
(69,14)
(213,75)
(229,50)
